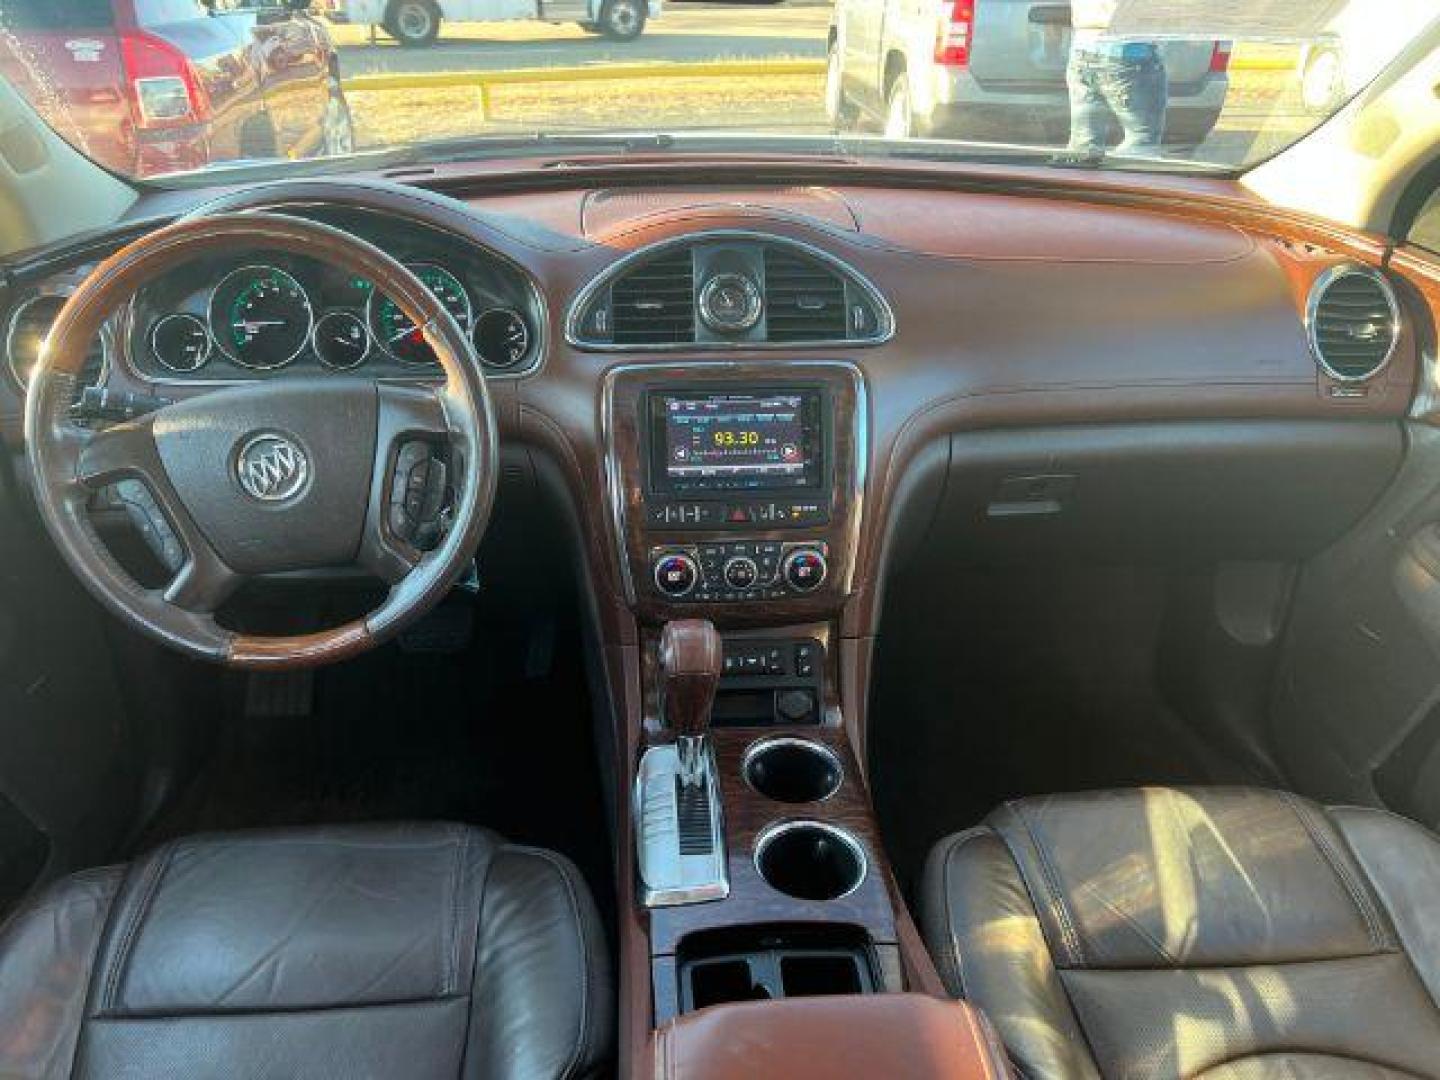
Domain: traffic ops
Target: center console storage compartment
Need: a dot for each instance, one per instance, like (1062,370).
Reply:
(771,962)
(881,1035)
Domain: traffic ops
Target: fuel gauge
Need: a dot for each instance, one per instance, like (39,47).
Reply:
(341,340)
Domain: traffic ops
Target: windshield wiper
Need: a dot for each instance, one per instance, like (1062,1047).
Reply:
(1003,153)
(439,151)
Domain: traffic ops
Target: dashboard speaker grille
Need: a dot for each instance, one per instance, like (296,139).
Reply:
(804,299)
(654,304)
(1354,323)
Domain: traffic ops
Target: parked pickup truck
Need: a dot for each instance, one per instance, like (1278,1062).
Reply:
(416,23)
(990,70)
(158,86)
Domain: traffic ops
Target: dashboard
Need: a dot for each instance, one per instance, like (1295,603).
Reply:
(741,389)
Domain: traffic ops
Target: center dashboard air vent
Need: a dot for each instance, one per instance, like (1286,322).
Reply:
(729,290)
(804,299)
(654,304)
(1353,323)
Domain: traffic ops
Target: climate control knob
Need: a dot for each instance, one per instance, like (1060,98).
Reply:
(676,575)
(805,569)
(741,572)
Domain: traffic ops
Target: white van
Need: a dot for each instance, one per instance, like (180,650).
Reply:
(415,23)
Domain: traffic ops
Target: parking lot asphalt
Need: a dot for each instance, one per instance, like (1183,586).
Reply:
(686,33)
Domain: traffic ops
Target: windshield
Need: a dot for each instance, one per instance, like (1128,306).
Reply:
(158,88)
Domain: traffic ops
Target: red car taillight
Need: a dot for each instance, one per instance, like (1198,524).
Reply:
(1220,58)
(164,87)
(956,33)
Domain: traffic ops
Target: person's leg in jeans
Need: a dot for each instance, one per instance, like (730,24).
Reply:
(1089,115)
(1138,91)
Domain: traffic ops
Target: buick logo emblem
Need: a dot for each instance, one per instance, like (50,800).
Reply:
(271,468)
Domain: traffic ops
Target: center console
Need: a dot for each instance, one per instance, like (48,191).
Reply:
(736,492)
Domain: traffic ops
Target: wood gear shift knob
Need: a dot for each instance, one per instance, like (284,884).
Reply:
(690,660)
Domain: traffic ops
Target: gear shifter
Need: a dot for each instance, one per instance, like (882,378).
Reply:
(690,660)
(680,830)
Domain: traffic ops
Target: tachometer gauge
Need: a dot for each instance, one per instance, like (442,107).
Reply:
(398,335)
(180,343)
(502,337)
(341,341)
(260,317)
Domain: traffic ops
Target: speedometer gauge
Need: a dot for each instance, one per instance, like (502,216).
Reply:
(397,333)
(260,317)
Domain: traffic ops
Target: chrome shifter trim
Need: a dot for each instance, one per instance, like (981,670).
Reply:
(668,875)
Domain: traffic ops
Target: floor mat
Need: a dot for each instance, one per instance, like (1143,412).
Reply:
(462,737)
(1017,683)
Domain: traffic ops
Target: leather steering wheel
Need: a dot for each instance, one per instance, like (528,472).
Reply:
(283,475)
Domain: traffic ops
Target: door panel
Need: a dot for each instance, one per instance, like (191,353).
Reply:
(1360,674)
(68,757)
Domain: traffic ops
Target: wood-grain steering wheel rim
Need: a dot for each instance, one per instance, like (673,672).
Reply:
(68,463)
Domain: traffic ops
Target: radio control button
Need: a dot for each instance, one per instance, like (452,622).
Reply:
(741,572)
(805,569)
(676,575)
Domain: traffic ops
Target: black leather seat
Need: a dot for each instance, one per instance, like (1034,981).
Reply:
(409,951)
(1227,933)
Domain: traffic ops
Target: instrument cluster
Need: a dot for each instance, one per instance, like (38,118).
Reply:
(265,315)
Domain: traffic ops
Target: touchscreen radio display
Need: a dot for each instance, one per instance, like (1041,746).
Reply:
(731,441)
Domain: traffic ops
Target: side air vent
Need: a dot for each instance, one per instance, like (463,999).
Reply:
(29,326)
(654,304)
(1353,323)
(804,299)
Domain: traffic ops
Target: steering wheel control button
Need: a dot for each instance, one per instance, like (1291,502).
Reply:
(805,569)
(741,572)
(676,575)
(144,513)
(272,468)
(418,491)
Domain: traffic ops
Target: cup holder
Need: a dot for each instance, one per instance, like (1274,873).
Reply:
(809,860)
(793,770)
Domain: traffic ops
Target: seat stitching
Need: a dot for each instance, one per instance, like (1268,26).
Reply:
(1403,947)
(475,969)
(1387,812)
(1357,896)
(450,950)
(112,890)
(1053,897)
(581,1043)
(1130,920)
(154,873)
(172,1012)
(953,957)
(1256,1054)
